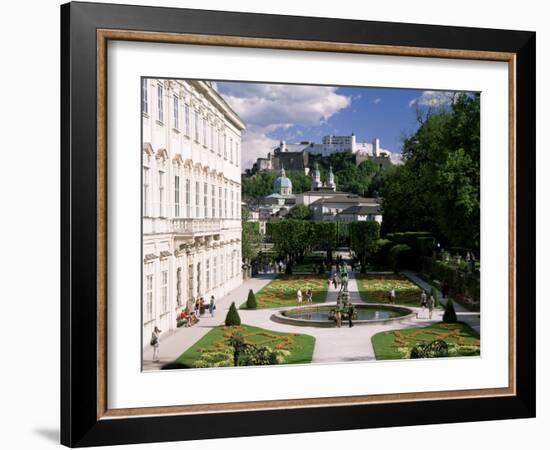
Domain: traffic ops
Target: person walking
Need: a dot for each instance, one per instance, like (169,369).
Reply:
(392,295)
(309,295)
(211,306)
(334,282)
(155,344)
(431,304)
(299,295)
(351,311)
(423,300)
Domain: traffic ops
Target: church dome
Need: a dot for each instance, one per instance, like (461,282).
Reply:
(282,183)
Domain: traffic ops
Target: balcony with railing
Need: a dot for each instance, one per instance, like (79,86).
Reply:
(196,227)
(190,227)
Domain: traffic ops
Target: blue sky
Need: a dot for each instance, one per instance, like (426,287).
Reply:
(294,113)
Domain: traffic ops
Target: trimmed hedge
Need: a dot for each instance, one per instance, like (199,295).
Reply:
(383,247)
(232,319)
(400,257)
(251,300)
(449,316)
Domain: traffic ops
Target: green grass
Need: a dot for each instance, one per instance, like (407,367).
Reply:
(397,344)
(374,288)
(298,348)
(281,292)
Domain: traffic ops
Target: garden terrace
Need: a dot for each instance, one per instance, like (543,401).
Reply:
(281,292)
(214,350)
(374,288)
(397,344)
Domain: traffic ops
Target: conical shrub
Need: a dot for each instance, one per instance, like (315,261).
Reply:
(251,300)
(232,319)
(449,316)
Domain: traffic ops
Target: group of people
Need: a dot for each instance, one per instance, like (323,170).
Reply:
(189,316)
(266,266)
(300,296)
(195,308)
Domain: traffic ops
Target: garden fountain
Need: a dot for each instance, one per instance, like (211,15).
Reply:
(323,315)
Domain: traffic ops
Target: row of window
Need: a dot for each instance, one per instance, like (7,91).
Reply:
(212,280)
(217,202)
(204,131)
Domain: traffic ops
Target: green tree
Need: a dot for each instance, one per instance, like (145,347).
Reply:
(232,318)
(255,187)
(437,187)
(290,238)
(323,236)
(364,238)
(300,212)
(251,300)
(449,316)
(251,236)
(349,176)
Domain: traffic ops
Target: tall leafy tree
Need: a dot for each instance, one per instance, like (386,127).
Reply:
(300,212)
(364,237)
(290,237)
(323,236)
(437,187)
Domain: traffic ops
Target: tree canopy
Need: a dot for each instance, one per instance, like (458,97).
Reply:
(300,212)
(251,236)
(364,238)
(349,176)
(437,187)
(293,238)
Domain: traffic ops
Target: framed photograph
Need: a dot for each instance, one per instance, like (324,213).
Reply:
(281,224)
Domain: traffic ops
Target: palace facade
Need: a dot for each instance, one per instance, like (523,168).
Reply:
(191,198)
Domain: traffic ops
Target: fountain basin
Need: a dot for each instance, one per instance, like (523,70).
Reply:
(319,315)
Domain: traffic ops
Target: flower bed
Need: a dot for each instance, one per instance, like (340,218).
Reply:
(374,288)
(461,339)
(213,349)
(281,292)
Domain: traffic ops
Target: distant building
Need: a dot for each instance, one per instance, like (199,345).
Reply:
(361,213)
(281,200)
(327,203)
(254,216)
(347,208)
(296,156)
(348,144)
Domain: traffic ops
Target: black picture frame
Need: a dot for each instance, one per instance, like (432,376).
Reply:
(80,424)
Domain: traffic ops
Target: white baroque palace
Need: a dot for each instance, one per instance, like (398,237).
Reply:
(191,198)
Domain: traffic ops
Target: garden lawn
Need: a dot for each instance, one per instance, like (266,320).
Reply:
(375,288)
(282,290)
(213,346)
(397,344)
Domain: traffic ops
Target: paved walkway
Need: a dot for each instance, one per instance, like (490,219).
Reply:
(174,343)
(466,316)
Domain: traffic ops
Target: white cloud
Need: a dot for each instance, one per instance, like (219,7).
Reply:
(255,145)
(266,108)
(433,99)
(377,100)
